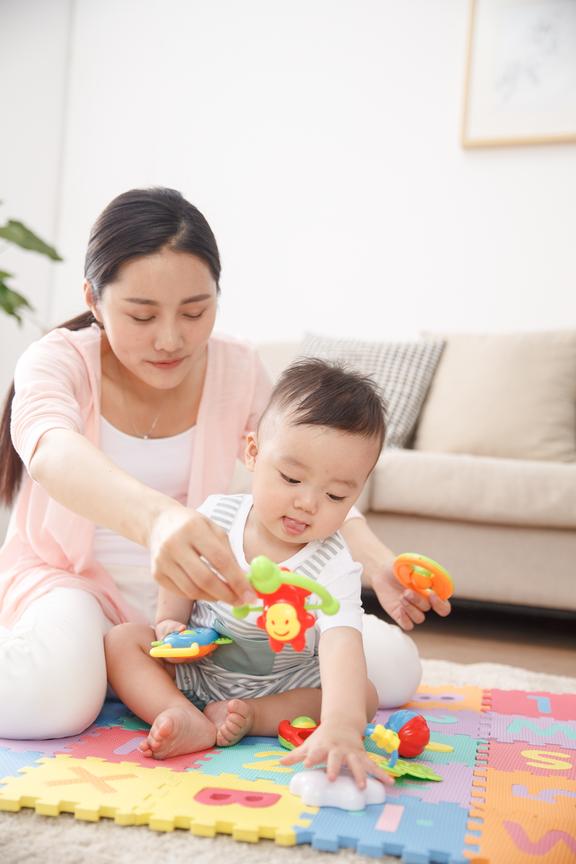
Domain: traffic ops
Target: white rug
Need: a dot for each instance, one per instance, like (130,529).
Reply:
(26,838)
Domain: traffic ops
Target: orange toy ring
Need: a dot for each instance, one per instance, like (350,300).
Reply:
(423,575)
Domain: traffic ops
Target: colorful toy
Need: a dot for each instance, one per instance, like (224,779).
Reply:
(412,731)
(387,740)
(189,644)
(405,732)
(293,734)
(285,614)
(423,575)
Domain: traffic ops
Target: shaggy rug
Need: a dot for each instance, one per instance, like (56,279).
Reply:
(28,837)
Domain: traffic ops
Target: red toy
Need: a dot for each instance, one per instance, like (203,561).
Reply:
(285,614)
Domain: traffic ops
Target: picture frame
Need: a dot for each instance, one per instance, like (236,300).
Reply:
(520,82)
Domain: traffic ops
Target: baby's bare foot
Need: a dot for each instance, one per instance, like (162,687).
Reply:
(233,720)
(176,731)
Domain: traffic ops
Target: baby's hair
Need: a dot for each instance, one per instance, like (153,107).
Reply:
(318,393)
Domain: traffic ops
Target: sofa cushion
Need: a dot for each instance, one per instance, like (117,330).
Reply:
(507,395)
(402,370)
(475,489)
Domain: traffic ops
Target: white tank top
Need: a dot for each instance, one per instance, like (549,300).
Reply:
(163,464)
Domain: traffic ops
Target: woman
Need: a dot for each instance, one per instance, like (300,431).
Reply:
(125,419)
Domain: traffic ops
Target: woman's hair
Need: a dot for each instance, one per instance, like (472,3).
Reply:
(135,224)
(317,393)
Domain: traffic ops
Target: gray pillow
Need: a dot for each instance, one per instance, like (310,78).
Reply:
(402,371)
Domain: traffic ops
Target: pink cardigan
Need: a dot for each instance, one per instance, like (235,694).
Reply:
(57,383)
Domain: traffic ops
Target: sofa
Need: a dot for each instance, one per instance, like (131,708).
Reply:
(482,474)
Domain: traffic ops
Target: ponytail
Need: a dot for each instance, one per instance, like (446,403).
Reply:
(11,465)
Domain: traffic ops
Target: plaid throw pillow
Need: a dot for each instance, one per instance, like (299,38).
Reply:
(403,372)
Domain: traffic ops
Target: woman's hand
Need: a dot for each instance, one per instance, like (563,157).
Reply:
(406,607)
(191,556)
(336,745)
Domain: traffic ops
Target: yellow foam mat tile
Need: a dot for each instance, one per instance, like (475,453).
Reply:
(89,788)
(226,804)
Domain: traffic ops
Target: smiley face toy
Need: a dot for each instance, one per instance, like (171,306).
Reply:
(285,613)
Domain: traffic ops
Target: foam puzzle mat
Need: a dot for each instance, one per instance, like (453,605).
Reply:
(508,792)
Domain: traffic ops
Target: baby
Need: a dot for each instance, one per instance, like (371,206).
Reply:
(316,444)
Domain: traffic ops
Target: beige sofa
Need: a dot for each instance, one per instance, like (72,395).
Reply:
(488,485)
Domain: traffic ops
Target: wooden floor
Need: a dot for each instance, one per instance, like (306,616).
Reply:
(477,634)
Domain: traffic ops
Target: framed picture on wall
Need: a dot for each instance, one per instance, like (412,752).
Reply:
(521,73)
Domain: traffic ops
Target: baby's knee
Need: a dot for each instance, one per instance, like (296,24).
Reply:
(126,637)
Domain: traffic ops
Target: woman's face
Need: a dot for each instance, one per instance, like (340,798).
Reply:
(158,316)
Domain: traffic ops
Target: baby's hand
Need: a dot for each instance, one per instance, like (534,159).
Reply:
(337,744)
(163,628)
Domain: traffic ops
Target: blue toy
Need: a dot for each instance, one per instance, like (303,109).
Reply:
(189,644)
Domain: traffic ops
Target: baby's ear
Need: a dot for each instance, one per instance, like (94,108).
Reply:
(251,451)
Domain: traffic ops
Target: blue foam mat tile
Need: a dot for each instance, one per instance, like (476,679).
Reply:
(12,760)
(255,758)
(419,833)
(111,714)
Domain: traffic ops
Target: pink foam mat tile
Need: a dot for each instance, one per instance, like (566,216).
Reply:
(560,706)
(119,744)
(538,760)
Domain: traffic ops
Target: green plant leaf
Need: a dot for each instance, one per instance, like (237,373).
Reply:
(17,233)
(11,302)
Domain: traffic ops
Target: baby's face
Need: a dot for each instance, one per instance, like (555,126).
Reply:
(306,478)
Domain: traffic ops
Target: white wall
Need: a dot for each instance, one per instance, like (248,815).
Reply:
(320,138)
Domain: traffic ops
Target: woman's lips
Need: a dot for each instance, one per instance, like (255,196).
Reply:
(293,526)
(165,364)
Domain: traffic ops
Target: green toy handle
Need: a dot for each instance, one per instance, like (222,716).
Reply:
(266,577)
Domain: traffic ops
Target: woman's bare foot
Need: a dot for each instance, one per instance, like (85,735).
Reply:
(176,731)
(233,720)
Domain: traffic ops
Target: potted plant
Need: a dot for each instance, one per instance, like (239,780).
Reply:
(12,302)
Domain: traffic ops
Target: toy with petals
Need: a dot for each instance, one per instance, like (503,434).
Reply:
(189,644)
(405,733)
(423,575)
(410,728)
(285,613)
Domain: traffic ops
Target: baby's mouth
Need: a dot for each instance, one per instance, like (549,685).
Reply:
(293,526)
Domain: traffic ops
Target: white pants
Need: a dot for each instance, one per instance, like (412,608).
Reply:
(52,667)
(53,672)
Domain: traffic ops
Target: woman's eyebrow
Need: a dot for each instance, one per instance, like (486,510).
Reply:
(196,298)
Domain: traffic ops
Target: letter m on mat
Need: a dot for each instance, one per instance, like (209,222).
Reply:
(519,724)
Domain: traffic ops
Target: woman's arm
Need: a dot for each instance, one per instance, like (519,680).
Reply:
(406,607)
(83,479)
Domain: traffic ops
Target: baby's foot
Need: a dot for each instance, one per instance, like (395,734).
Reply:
(177,731)
(233,720)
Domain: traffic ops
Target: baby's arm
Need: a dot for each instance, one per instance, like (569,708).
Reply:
(348,701)
(172,613)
